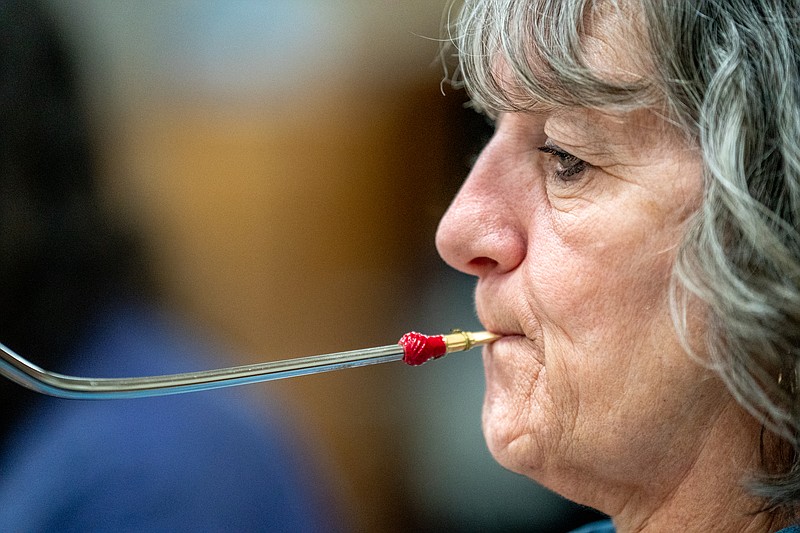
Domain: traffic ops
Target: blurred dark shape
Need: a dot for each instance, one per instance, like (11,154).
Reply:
(75,297)
(63,256)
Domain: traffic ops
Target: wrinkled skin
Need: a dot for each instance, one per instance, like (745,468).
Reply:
(590,391)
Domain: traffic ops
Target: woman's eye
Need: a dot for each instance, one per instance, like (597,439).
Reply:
(568,166)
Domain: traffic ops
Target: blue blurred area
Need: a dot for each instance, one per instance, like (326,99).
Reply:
(194,462)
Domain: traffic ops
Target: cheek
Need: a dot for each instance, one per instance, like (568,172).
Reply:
(601,274)
(601,297)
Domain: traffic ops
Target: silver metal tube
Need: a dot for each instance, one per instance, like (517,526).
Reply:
(25,373)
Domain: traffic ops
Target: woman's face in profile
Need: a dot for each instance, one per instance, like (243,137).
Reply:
(571,221)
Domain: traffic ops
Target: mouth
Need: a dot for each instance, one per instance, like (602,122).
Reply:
(514,341)
(509,339)
(509,343)
(511,316)
(502,329)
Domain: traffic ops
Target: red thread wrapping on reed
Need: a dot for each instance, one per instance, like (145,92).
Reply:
(419,348)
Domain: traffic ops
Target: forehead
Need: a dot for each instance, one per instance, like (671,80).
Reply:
(614,43)
(567,53)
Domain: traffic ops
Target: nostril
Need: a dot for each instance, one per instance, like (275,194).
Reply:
(480,265)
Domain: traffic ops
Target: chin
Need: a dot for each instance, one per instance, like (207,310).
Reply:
(516,407)
(508,437)
(528,454)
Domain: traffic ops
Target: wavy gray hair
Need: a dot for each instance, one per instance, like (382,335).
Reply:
(726,72)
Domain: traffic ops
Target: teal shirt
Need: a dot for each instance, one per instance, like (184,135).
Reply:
(607,527)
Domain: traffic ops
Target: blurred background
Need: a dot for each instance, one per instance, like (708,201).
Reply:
(288,162)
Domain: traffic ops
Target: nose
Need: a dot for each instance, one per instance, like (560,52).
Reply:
(480,234)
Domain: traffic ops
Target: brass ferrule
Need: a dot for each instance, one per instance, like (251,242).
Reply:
(460,341)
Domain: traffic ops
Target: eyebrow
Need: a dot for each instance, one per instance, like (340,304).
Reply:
(578,130)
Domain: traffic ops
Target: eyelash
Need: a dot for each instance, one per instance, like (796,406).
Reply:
(570,166)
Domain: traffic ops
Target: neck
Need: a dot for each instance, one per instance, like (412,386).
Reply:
(711,493)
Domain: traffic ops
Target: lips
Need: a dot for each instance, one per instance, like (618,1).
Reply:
(501,322)
(506,308)
(516,339)
(511,344)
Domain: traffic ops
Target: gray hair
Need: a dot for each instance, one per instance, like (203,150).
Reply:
(726,72)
